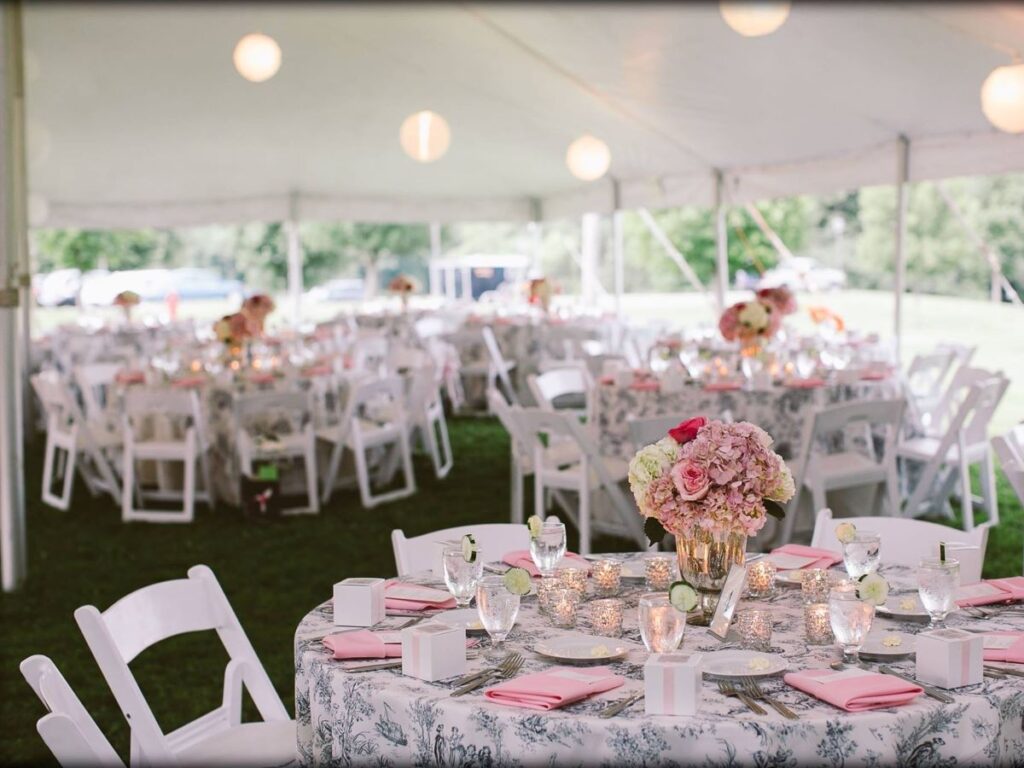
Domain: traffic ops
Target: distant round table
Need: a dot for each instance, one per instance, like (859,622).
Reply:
(384,718)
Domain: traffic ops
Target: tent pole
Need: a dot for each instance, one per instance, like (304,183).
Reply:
(435,254)
(590,248)
(721,244)
(291,228)
(902,174)
(12,242)
(619,252)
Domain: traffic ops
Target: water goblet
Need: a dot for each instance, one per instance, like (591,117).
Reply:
(498,609)
(460,576)
(548,547)
(661,624)
(861,555)
(851,619)
(937,582)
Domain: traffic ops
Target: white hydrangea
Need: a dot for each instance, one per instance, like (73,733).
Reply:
(754,316)
(651,462)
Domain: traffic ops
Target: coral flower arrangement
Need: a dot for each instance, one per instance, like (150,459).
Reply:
(257,307)
(752,322)
(232,330)
(710,477)
(781,297)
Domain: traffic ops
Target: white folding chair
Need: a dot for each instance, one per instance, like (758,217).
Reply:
(370,353)
(261,437)
(566,390)
(69,731)
(447,366)
(429,327)
(947,458)
(374,420)
(177,441)
(426,418)
(94,381)
(905,542)
(1010,450)
(854,427)
(160,611)
(499,366)
(585,474)
(423,553)
(72,442)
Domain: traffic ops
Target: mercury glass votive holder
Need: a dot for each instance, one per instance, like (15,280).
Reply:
(761,579)
(545,587)
(659,573)
(606,617)
(755,630)
(606,576)
(817,625)
(815,586)
(572,578)
(562,607)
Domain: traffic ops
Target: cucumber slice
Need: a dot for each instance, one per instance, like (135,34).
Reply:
(683,596)
(534,524)
(518,581)
(469,548)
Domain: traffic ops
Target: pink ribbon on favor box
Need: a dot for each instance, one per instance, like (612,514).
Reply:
(668,688)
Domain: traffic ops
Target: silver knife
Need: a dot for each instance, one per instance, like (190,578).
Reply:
(929,690)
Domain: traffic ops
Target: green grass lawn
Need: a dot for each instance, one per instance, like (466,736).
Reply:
(273,572)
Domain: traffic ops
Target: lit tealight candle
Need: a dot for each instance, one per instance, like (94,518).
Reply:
(659,572)
(755,630)
(606,617)
(607,576)
(562,607)
(817,626)
(815,586)
(572,578)
(761,579)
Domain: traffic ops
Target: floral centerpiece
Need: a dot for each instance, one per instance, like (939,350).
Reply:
(539,292)
(711,485)
(126,300)
(824,315)
(781,297)
(257,307)
(750,322)
(403,286)
(233,331)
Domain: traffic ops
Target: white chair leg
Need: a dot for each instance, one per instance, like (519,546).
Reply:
(311,484)
(518,487)
(988,489)
(48,462)
(189,487)
(362,475)
(966,496)
(407,471)
(892,489)
(127,482)
(333,466)
(818,496)
(446,444)
(69,475)
(584,518)
(539,496)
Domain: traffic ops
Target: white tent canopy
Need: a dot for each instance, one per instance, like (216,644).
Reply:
(136,115)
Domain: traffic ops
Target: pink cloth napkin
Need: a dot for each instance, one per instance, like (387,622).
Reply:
(1012,589)
(361,644)
(855,694)
(811,383)
(1014,654)
(399,604)
(316,370)
(131,377)
(874,376)
(826,557)
(645,385)
(554,687)
(189,382)
(520,558)
(722,386)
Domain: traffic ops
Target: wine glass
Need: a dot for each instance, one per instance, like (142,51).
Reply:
(498,609)
(861,555)
(661,624)
(461,576)
(937,582)
(548,548)
(851,619)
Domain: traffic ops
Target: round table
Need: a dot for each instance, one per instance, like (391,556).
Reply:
(384,718)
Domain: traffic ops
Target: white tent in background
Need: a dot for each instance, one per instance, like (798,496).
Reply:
(137,117)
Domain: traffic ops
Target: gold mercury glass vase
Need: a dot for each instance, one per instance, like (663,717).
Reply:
(704,561)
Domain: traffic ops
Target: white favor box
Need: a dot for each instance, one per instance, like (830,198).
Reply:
(433,652)
(359,602)
(672,684)
(950,658)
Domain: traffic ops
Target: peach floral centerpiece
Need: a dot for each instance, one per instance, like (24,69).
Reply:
(403,286)
(257,307)
(126,300)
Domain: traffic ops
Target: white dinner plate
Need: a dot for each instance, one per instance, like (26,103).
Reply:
(742,664)
(891,644)
(905,606)
(461,618)
(579,648)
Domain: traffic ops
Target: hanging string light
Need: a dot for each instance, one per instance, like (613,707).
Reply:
(257,57)
(1002,97)
(425,136)
(588,158)
(752,19)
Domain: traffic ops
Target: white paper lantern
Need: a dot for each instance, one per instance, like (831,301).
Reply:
(425,136)
(257,57)
(754,19)
(1002,98)
(588,158)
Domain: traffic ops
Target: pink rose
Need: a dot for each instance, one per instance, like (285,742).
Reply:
(685,431)
(691,480)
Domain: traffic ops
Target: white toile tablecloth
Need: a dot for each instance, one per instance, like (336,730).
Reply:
(382,718)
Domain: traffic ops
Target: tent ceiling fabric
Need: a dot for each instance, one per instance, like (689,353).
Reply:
(136,115)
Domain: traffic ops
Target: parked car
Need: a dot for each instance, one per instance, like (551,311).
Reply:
(58,288)
(192,283)
(99,287)
(339,289)
(802,273)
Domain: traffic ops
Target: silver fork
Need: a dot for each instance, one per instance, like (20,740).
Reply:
(728,688)
(508,671)
(465,679)
(613,709)
(757,692)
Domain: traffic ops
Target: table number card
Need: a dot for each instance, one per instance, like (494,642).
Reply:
(728,601)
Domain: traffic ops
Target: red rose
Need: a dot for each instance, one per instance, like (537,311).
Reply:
(685,431)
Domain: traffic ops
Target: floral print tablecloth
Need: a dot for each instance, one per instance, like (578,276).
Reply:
(781,411)
(383,718)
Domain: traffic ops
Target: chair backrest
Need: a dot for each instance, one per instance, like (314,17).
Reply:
(423,553)
(423,391)
(548,386)
(506,415)
(949,404)
(1010,450)
(169,401)
(927,372)
(428,327)
(905,542)
(93,381)
(158,612)
(266,402)
(56,399)
(650,430)
(370,353)
(68,730)
(499,365)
